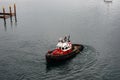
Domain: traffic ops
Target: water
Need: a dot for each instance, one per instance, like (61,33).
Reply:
(93,23)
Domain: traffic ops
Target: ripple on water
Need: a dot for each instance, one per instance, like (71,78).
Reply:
(30,66)
(76,68)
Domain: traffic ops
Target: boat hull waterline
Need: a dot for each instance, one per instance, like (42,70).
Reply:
(76,48)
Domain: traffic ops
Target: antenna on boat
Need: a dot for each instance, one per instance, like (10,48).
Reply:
(68,38)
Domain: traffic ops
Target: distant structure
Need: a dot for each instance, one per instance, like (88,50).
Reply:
(108,1)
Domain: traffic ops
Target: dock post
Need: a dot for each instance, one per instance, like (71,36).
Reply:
(3,12)
(10,10)
(15,12)
(10,13)
(14,9)
(4,15)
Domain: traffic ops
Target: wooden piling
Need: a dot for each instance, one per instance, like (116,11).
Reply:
(15,12)
(10,13)
(4,15)
(15,9)
(3,12)
(10,10)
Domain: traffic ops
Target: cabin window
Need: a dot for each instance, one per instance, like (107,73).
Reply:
(62,48)
(66,47)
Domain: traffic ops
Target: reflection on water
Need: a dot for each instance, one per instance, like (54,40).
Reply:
(5,25)
(6,22)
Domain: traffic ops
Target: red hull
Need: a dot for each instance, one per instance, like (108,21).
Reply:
(52,56)
(60,52)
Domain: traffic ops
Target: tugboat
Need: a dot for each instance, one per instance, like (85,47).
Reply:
(64,50)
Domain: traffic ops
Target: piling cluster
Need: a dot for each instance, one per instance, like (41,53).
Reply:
(9,14)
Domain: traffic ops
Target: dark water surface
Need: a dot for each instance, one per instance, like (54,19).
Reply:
(93,23)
